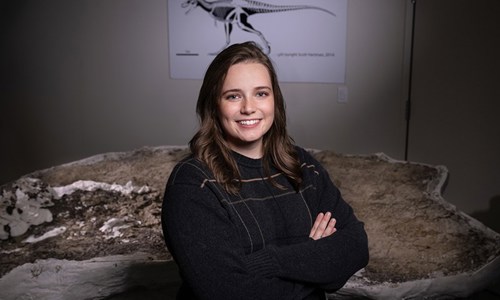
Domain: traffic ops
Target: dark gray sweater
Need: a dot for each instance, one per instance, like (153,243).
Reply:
(256,245)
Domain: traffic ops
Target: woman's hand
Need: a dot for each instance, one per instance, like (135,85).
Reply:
(323,226)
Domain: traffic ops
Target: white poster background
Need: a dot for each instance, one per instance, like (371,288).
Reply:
(306,45)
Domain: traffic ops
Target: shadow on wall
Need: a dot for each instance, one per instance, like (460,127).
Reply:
(490,217)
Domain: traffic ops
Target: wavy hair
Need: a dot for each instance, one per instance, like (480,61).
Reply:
(209,145)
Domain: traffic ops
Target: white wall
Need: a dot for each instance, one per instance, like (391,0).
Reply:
(86,77)
(373,118)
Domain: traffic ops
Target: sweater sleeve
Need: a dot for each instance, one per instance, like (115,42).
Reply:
(205,245)
(328,262)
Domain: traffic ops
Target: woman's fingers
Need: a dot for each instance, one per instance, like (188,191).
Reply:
(330,228)
(323,226)
(316,225)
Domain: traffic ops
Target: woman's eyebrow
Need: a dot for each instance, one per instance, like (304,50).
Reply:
(236,90)
(231,91)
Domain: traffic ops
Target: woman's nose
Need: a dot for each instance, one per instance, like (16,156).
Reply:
(247,106)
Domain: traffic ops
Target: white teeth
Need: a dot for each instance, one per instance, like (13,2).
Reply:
(249,122)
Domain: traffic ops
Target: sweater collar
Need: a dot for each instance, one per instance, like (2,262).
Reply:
(247,161)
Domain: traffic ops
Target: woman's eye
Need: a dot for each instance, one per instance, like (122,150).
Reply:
(262,94)
(232,97)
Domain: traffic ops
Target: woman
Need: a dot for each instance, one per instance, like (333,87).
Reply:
(249,215)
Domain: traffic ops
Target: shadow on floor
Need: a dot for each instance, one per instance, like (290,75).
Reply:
(490,217)
(165,293)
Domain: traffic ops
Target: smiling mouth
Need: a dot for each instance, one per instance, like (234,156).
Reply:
(248,122)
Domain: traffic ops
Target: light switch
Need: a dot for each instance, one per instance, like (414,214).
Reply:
(342,94)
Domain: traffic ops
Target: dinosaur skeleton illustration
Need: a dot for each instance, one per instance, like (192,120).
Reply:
(237,12)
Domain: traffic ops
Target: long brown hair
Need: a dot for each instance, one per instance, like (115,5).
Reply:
(209,144)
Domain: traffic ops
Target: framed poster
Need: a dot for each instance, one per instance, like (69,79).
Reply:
(305,39)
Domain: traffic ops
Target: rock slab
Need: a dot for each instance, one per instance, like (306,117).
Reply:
(91,229)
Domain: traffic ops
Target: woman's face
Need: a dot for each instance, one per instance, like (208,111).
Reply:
(246,107)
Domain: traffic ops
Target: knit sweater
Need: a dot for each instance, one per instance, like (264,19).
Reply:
(256,245)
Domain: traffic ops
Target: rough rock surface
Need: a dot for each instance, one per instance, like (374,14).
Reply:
(103,236)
